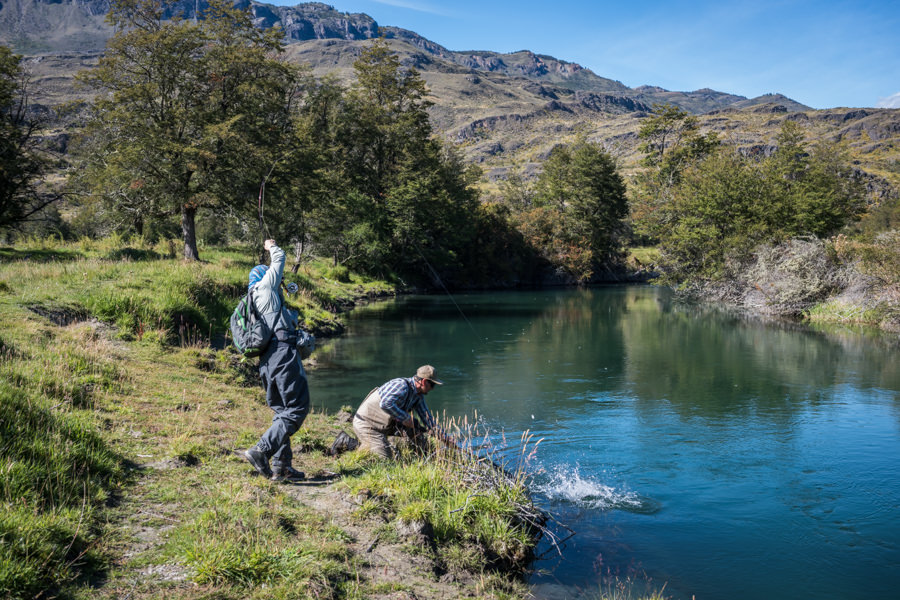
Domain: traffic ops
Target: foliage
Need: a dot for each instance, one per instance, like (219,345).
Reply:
(575,218)
(726,204)
(399,202)
(192,115)
(817,191)
(879,259)
(670,141)
(22,166)
(717,211)
(498,253)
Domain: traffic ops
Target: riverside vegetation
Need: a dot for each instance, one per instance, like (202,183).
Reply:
(355,172)
(107,365)
(120,423)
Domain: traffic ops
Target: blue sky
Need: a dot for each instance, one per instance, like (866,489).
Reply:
(824,53)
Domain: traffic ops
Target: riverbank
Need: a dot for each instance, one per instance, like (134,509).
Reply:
(123,478)
(833,282)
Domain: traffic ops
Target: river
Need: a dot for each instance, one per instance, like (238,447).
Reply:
(721,456)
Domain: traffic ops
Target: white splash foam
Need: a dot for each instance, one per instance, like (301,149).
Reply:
(566,484)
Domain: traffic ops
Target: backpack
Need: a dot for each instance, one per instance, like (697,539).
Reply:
(249,330)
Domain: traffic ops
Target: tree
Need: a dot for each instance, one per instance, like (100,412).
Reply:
(191,114)
(401,203)
(516,193)
(817,191)
(581,189)
(671,141)
(22,166)
(728,204)
(717,210)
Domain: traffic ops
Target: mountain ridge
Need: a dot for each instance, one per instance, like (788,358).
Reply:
(502,111)
(51,26)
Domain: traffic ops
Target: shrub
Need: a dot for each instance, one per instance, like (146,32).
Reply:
(879,259)
(790,277)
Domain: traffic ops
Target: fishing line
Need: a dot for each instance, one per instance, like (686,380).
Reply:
(290,288)
(449,295)
(263,228)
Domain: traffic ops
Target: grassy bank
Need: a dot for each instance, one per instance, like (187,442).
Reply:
(873,295)
(119,429)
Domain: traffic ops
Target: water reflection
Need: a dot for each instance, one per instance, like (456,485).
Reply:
(691,444)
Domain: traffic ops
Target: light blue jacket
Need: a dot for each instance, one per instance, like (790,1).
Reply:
(267,295)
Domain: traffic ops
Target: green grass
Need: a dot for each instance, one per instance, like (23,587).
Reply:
(119,432)
(253,535)
(835,311)
(481,516)
(129,284)
(57,472)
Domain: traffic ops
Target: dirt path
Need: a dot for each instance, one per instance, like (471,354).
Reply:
(385,553)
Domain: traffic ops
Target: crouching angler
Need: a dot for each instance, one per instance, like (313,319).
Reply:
(391,408)
(282,374)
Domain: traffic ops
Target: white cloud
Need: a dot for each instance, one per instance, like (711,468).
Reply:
(889,102)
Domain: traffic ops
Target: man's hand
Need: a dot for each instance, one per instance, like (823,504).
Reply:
(408,423)
(268,244)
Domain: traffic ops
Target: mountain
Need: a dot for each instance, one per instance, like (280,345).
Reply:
(78,26)
(502,111)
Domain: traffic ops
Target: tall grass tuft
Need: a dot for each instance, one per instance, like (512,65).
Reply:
(475,501)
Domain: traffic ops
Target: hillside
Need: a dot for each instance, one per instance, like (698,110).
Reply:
(502,111)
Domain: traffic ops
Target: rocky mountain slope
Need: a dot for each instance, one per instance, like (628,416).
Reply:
(503,111)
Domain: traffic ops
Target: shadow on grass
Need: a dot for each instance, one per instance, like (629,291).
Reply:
(8,254)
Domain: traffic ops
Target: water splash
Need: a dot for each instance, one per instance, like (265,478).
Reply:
(566,484)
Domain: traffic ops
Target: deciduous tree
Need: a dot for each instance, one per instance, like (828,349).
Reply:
(585,194)
(671,141)
(404,203)
(190,114)
(21,164)
(727,204)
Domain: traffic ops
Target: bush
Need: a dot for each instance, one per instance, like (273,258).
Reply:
(790,277)
(879,259)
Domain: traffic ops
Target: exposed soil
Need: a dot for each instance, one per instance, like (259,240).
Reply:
(385,561)
(390,558)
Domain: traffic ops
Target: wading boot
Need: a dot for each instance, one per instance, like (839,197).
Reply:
(288,474)
(259,460)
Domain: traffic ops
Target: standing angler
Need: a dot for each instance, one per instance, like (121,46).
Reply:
(287,391)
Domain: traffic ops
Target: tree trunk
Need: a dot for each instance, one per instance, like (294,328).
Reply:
(188,230)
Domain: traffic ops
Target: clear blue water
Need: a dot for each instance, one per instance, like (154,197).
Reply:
(720,456)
